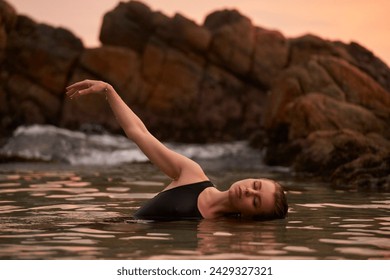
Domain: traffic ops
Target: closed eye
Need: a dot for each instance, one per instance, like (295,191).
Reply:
(257,185)
(257,202)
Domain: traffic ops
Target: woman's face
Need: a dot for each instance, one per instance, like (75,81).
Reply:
(253,196)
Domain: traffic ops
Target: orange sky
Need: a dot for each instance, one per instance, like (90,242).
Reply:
(364,21)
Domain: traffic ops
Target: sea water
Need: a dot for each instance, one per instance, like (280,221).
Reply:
(77,203)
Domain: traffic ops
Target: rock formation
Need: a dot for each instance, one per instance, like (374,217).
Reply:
(319,106)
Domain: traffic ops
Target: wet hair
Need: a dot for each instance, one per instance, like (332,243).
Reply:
(280,206)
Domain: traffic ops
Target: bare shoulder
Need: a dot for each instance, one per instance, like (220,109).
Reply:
(191,173)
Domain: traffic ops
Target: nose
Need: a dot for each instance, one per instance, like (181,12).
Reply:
(250,192)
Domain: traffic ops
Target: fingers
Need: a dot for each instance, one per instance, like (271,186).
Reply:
(80,88)
(78,85)
(82,84)
(72,93)
(86,87)
(86,91)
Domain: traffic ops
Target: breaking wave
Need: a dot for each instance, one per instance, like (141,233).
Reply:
(50,143)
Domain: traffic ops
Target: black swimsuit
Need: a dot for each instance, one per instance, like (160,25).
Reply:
(174,204)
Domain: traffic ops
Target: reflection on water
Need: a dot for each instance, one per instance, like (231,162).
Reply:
(61,212)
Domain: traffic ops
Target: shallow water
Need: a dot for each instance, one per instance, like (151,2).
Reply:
(53,211)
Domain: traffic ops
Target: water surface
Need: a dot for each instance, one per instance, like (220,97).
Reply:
(59,211)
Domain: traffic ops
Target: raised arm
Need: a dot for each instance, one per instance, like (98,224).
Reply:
(174,165)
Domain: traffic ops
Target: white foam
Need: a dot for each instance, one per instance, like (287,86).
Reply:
(50,143)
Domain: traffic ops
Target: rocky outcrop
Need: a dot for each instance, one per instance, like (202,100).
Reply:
(348,157)
(37,61)
(209,81)
(326,116)
(319,106)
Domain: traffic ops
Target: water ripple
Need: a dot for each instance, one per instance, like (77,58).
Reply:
(86,214)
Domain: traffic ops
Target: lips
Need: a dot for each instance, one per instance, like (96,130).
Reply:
(239,192)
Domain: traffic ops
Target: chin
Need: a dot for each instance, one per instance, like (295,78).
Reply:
(231,194)
(233,198)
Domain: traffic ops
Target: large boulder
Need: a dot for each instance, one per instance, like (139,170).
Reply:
(310,108)
(42,53)
(347,157)
(8,18)
(233,40)
(129,25)
(38,60)
(366,60)
(187,82)
(117,66)
(32,103)
(270,56)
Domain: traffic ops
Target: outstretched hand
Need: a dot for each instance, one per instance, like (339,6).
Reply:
(86,87)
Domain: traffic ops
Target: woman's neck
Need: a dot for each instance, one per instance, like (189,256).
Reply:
(213,203)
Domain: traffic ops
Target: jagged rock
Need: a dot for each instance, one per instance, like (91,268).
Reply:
(185,34)
(327,150)
(7,21)
(117,65)
(303,48)
(38,60)
(336,79)
(347,157)
(184,81)
(312,104)
(7,16)
(42,53)
(5,115)
(130,25)
(113,64)
(369,63)
(270,56)
(359,88)
(368,172)
(233,40)
(46,105)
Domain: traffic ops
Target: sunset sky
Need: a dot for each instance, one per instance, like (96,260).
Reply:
(364,21)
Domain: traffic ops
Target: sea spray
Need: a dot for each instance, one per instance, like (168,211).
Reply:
(50,143)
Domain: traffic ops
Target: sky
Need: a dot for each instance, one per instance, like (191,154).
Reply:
(364,21)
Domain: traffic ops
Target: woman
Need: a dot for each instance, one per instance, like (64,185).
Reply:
(190,195)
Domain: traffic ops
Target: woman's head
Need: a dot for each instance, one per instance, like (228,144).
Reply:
(258,198)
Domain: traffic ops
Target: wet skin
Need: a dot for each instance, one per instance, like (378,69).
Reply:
(252,196)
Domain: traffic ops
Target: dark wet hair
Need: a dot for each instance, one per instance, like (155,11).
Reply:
(280,207)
